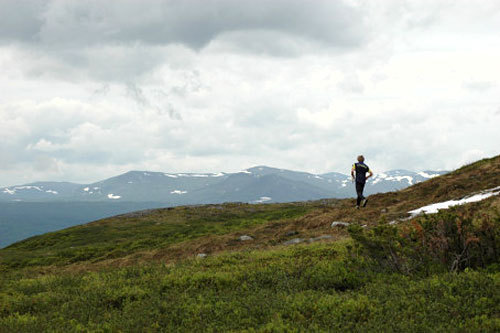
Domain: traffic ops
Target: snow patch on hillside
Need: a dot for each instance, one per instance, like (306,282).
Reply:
(52,191)
(434,208)
(113,197)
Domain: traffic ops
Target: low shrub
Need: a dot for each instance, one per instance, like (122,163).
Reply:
(451,240)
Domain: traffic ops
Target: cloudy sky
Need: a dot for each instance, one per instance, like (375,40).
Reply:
(90,89)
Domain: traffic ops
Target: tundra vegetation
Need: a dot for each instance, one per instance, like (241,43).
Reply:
(142,272)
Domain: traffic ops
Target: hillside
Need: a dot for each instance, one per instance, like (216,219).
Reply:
(189,268)
(37,208)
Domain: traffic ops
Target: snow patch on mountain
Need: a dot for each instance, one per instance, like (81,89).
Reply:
(169,175)
(28,187)
(379,177)
(427,175)
(435,207)
(262,200)
(220,174)
(113,197)
(52,191)
(178,192)
(13,190)
(86,189)
(383,176)
(9,191)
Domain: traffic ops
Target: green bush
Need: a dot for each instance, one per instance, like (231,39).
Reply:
(449,240)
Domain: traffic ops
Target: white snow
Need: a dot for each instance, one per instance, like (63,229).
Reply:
(383,176)
(427,175)
(13,190)
(96,188)
(378,178)
(86,189)
(220,174)
(8,191)
(434,208)
(178,192)
(317,177)
(114,197)
(400,178)
(130,182)
(262,199)
(52,191)
(169,175)
(146,174)
(28,187)
(245,171)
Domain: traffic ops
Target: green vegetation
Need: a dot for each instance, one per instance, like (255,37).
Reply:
(449,241)
(319,287)
(123,235)
(435,273)
(293,289)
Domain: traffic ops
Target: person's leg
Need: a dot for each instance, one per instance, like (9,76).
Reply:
(363,199)
(359,192)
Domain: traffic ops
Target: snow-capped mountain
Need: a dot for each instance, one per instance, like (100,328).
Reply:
(257,184)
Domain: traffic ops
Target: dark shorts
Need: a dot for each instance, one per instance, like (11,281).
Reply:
(359,189)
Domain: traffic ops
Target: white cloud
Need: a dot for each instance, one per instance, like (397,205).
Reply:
(90,90)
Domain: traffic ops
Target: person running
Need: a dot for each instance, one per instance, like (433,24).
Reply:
(358,174)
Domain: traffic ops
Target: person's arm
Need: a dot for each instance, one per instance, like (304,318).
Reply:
(352,171)
(370,173)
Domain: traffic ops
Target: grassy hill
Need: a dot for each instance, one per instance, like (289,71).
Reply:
(141,271)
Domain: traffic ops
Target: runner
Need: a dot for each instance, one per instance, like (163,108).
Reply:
(358,174)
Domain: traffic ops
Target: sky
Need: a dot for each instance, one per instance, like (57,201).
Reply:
(91,89)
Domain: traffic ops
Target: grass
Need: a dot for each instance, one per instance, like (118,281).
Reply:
(302,288)
(123,235)
(139,272)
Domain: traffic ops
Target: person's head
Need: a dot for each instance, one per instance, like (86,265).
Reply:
(361,158)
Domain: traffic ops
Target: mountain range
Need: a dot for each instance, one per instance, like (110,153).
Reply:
(255,185)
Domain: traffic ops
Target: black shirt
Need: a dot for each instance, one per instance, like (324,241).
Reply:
(361,169)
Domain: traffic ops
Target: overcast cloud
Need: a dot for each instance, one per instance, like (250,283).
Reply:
(91,89)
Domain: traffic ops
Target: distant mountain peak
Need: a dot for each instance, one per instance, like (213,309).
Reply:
(196,188)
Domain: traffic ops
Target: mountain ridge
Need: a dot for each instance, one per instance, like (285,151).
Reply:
(186,188)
